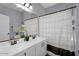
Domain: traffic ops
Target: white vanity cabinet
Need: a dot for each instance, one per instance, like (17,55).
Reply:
(38,49)
(35,47)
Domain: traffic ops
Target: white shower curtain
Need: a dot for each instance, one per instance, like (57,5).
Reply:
(58,29)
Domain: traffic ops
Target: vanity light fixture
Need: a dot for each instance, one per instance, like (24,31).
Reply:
(25,6)
(22,7)
(28,5)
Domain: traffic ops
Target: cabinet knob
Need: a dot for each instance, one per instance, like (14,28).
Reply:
(24,54)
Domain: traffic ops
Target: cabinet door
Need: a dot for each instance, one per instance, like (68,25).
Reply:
(23,53)
(41,49)
(31,51)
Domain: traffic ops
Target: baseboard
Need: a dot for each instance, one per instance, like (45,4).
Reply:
(51,54)
(59,51)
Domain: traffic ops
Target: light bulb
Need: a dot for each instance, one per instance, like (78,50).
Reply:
(23,7)
(27,5)
(30,7)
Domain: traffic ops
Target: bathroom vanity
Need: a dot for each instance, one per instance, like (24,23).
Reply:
(35,47)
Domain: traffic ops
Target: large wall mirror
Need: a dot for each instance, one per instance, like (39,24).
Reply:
(4,27)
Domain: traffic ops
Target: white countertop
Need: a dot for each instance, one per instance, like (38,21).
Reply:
(10,50)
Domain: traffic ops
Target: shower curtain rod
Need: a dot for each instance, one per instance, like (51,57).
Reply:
(52,13)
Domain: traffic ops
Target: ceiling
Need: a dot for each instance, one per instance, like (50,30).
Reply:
(46,5)
(13,6)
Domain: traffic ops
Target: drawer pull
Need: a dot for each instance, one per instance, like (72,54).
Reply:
(24,54)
